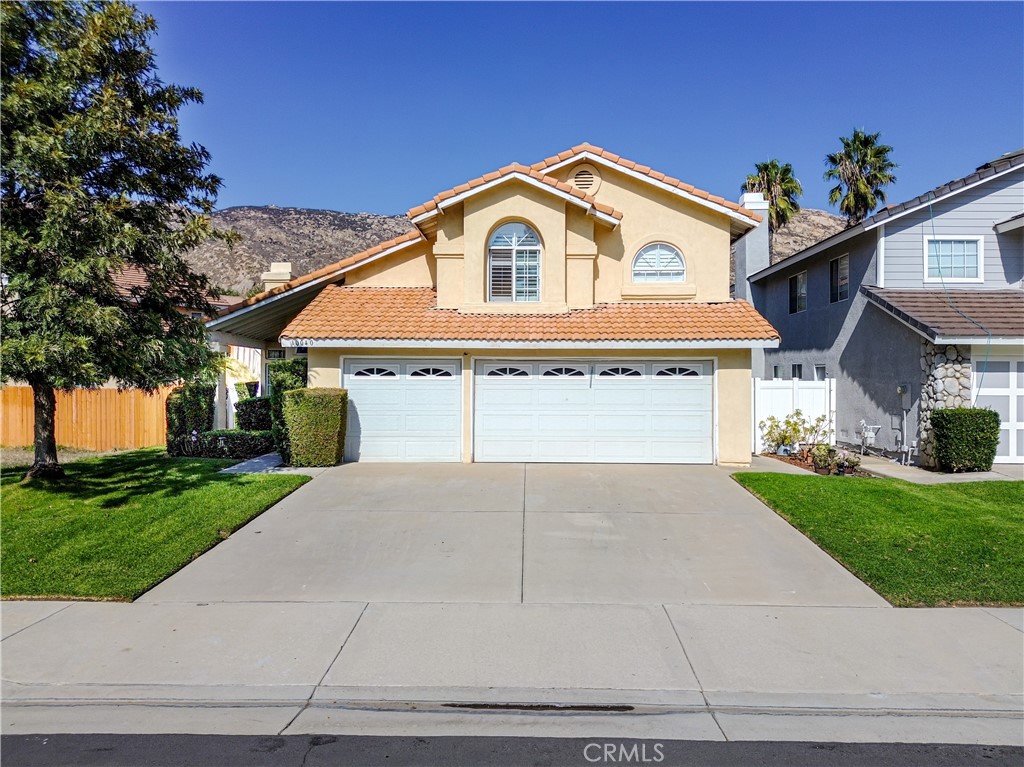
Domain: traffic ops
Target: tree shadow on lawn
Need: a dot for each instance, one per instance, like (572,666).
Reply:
(113,481)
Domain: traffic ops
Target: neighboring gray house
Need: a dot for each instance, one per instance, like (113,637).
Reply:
(919,307)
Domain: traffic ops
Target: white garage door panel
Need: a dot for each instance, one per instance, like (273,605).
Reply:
(999,384)
(608,412)
(411,412)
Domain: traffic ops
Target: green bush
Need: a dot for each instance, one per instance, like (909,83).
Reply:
(235,443)
(316,425)
(965,438)
(253,414)
(189,413)
(284,375)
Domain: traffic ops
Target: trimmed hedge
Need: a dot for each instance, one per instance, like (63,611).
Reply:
(253,414)
(316,425)
(189,413)
(235,443)
(284,376)
(965,438)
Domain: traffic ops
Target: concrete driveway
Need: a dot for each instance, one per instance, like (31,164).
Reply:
(515,533)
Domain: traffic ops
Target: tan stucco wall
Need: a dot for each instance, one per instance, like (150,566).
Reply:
(732,385)
(456,261)
(515,201)
(652,215)
(412,267)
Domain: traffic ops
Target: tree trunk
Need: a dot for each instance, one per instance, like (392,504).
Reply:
(45,464)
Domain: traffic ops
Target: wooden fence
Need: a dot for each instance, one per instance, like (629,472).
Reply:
(88,419)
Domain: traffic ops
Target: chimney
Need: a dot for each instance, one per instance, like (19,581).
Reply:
(752,249)
(280,273)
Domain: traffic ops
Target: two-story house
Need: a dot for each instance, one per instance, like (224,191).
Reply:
(575,310)
(920,306)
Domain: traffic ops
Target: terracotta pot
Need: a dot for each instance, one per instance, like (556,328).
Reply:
(824,472)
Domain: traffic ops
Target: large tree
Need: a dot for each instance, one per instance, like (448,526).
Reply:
(862,168)
(95,180)
(779,187)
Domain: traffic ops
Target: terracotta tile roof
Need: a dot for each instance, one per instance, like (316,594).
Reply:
(935,312)
(407,314)
(508,170)
(408,237)
(134,277)
(645,170)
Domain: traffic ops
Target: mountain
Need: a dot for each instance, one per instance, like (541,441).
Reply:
(807,227)
(308,238)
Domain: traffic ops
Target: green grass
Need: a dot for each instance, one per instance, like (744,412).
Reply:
(119,524)
(916,545)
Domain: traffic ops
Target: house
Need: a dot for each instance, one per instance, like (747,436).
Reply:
(574,310)
(919,307)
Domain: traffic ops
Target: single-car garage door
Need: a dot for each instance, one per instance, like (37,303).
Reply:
(403,410)
(616,411)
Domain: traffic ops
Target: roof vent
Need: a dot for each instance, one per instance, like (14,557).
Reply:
(586,179)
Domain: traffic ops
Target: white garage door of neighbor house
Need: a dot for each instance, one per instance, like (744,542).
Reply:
(614,411)
(1000,386)
(403,410)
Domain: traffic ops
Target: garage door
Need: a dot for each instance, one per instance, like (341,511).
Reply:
(403,410)
(594,412)
(1000,386)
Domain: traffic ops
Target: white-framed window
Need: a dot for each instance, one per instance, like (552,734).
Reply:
(798,293)
(954,258)
(196,315)
(513,264)
(777,372)
(508,372)
(839,279)
(819,373)
(797,372)
(659,262)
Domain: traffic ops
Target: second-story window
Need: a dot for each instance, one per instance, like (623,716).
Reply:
(839,279)
(659,262)
(798,293)
(954,259)
(513,264)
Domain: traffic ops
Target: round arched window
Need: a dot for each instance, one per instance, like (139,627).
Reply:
(659,262)
(513,264)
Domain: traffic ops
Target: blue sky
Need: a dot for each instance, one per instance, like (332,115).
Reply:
(378,106)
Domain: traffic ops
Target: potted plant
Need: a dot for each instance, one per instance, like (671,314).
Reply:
(847,462)
(822,458)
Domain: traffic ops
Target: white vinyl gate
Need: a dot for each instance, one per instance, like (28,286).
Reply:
(612,411)
(780,398)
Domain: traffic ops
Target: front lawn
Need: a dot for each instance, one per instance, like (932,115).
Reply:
(916,545)
(119,524)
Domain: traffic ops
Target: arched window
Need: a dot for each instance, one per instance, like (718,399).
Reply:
(659,262)
(513,264)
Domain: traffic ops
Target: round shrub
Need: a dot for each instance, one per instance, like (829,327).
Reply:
(253,414)
(965,438)
(316,425)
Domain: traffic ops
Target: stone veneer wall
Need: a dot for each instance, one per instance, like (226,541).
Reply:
(945,382)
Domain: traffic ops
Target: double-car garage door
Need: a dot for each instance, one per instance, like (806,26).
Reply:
(564,411)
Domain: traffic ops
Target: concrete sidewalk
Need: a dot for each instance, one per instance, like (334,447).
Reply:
(706,672)
(883,467)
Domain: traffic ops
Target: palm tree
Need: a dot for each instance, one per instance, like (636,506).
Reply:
(779,187)
(862,168)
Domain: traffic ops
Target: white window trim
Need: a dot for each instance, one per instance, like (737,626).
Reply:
(980,239)
(645,283)
(515,251)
